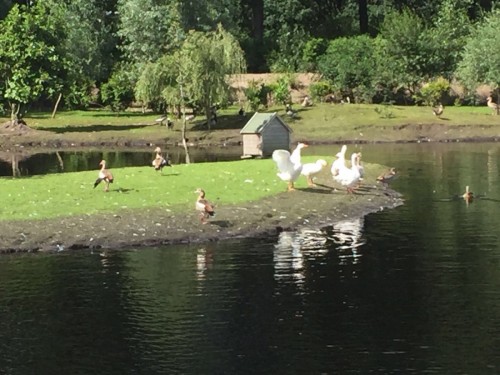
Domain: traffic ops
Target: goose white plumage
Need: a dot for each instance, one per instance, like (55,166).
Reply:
(349,177)
(360,167)
(311,169)
(296,157)
(339,162)
(288,171)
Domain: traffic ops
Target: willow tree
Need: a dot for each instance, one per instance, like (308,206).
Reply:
(206,61)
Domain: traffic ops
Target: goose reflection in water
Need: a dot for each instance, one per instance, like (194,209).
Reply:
(347,235)
(290,250)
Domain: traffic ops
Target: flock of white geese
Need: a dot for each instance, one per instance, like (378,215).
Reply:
(290,168)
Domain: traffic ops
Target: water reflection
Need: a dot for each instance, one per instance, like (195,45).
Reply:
(22,164)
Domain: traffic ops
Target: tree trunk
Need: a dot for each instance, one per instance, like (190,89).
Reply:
(363,16)
(184,127)
(57,105)
(16,172)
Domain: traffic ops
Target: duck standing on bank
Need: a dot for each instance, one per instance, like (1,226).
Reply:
(349,177)
(494,106)
(159,162)
(203,206)
(311,169)
(104,175)
(287,170)
(438,111)
(339,161)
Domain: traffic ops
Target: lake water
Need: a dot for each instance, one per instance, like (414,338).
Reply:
(412,290)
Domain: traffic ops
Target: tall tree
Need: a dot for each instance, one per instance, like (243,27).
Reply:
(481,57)
(149,28)
(32,64)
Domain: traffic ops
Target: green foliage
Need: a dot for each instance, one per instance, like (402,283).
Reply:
(118,92)
(31,63)
(256,94)
(348,63)
(319,90)
(312,50)
(385,111)
(481,56)
(149,29)
(281,90)
(205,61)
(433,92)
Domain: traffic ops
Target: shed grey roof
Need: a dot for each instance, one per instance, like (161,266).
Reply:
(259,121)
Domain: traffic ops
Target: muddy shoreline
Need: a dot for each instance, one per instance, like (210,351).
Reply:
(310,207)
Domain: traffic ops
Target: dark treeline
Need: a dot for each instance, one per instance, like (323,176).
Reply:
(113,52)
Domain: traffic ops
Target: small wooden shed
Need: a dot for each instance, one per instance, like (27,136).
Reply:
(264,133)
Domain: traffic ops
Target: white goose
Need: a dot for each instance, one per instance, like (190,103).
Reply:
(349,177)
(360,167)
(311,169)
(296,154)
(339,162)
(288,171)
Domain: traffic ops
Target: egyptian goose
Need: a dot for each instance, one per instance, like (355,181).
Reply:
(339,161)
(205,208)
(288,171)
(438,111)
(159,162)
(468,196)
(349,177)
(311,169)
(104,175)
(386,177)
(494,106)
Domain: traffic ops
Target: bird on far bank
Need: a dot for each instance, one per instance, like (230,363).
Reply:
(159,162)
(438,111)
(494,106)
(203,206)
(104,175)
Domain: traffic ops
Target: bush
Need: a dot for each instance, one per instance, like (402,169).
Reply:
(118,92)
(433,92)
(319,90)
(256,94)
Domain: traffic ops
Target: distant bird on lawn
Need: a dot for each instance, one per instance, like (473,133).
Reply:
(159,162)
(388,176)
(438,111)
(104,175)
(203,206)
(494,106)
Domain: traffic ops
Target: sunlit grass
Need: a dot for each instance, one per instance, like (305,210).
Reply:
(67,194)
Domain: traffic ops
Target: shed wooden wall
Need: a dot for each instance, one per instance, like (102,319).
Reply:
(251,144)
(275,136)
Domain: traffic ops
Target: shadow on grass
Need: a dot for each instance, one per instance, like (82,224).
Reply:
(221,223)
(224,122)
(92,128)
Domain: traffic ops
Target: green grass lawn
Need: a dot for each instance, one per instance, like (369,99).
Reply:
(68,194)
(319,122)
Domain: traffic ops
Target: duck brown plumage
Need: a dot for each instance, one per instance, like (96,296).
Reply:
(203,206)
(104,175)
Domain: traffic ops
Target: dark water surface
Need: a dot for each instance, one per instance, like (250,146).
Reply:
(413,290)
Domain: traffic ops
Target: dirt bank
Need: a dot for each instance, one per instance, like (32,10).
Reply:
(318,207)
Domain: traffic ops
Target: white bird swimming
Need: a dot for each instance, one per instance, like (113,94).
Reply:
(296,154)
(339,162)
(349,177)
(288,171)
(311,169)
